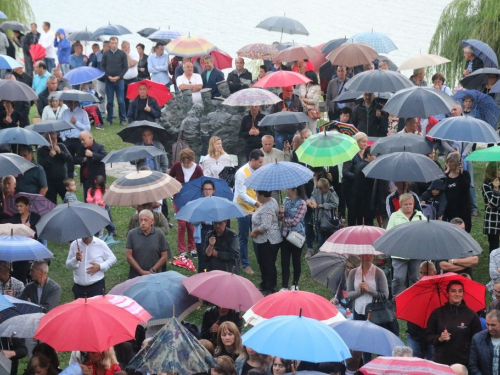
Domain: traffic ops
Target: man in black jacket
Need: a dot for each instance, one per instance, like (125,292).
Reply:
(30,38)
(368,117)
(144,107)
(43,97)
(484,345)
(250,130)
(89,156)
(234,78)
(211,76)
(292,103)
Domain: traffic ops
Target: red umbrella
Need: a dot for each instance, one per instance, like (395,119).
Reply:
(404,365)
(90,325)
(37,52)
(223,289)
(416,303)
(183,262)
(128,304)
(356,240)
(156,90)
(222,60)
(290,303)
(281,78)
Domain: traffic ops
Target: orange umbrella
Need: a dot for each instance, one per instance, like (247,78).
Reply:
(189,46)
(352,54)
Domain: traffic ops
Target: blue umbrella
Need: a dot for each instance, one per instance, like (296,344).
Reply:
(111,30)
(464,129)
(484,107)
(5,303)
(192,190)
(332,44)
(279,176)
(3,15)
(19,307)
(298,338)
(210,209)
(379,41)
(22,136)
(83,74)
(7,62)
(364,336)
(483,51)
(163,35)
(16,248)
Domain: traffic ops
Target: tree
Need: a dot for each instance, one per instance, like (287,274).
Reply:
(464,19)
(17,10)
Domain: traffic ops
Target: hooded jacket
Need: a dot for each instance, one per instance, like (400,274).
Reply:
(63,46)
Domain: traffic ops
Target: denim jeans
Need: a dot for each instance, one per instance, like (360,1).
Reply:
(111,227)
(244,224)
(280,138)
(51,64)
(417,351)
(117,88)
(64,68)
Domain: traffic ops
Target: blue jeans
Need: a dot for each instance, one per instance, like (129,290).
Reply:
(111,227)
(64,68)
(280,138)
(117,88)
(244,224)
(51,64)
(417,352)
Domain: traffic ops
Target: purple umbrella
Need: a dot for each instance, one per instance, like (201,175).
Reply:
(484,106)
(38,204)
(119,289)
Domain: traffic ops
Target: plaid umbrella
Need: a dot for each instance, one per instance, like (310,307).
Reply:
(484,107)
(38,204)
(379,41)
(251,96)
(20,307)
(279,176)
(189,46)
(164,35)
(258,51)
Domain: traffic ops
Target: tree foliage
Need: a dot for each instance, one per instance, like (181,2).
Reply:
(17,10)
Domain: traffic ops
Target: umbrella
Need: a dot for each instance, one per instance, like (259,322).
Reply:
(284,117)
(128,304)
(12,164)
(132,153)
(287,303)
(119,289)
(75,96)
(258,51)
(352,54)
(191,190)
(301,53)
(151,186)
(3,15)
(402,142)
(422,61)
(147,31)
(279,176)
(486,154)
(164,35)
(7,62)
(251,96)
(160,293)
(189,46)
(478,78)
(83,74)
(21,326)
(434,239)
(222,59)
(133,132)
(5,303)
(392,66)
(14,25)
(332,44)
(327,71)
(364,336)
(84,36)
(72,369)
(68,222)
(210,209)
(380,42)
(297,337)
(348,96)
(404,166)
(496,88)
(50,126)
(419,102)
(18,135)
(155,89)
(185,354)
(378,81)
(401,365)
(283,25)
(37,52)
(281,78)
(16,230)
(327,268)
(483,51)
(343,128)
(95,325)
(16,248)
(484,106)
(223,289)
(111,30)
(464,129)
(38,204)
(355,240)
(16,91)
(327,149)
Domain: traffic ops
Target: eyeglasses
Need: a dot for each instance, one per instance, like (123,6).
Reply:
(278,365)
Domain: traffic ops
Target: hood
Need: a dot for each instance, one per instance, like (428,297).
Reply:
(61,31)
(437,185)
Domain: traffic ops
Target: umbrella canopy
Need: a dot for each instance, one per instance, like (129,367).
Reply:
(419,102)
(332,44)
(155,89)
(38,204)
(128,304)
(297,337)
(484,107)
(404,166)
(5,303)
(279,176)
(83,74)
(327,149)
(327,268)
(222,59)
(21,326)
(160,294)
(50,126)
(147,31)
(435,240)
(3,15)
(191,190)
(284,118)
(16,91)
(355,240)
(283,25)
(380,42)
(392,65)
(132,153)
(141,187)
(75,96)
(496,88)
(111,30)
(84,36)
(402,142)
(14,25)
(186,355)
(483,51)
(422,61)
(251,96)
(119,289)
(37,52)
(401,365)
(16,230)
(11,164)
(95,325)
(210,209)
(133,132)
(464,129)
(164,35)
(287,303)
(223,289)
(68,222)
(364,336)
(352,54)
(258,51)
(7,62)
(281,78)
(478,78)
(343,128)
(16,248)
(189,46)
(301,53)
(20,307)
(378,81)
(20,135)
(486,154)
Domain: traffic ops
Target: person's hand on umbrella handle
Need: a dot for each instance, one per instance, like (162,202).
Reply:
(445,336)
(9,353)
(364,287)
(211,241)
(94,268)
(334,301)
(214,328)
(52,152)
(79,256)
(147,108)
(9,292)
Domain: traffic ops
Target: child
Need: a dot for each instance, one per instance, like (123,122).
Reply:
(70,186)
(95,194)
(435,197)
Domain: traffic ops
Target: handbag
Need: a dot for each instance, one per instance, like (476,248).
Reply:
(381,311)
(296,239)
(329,222)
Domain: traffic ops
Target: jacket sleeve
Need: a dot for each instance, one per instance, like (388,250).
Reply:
(230,81)
(65,153)
(243,133)
(163,224)
(155,109)
(53,297)
(431,334)
(99,154)
(124,64)
(333,201)
(234,250)
(132,108)
(491,197)
(351,292)
(474,366)
(19,348)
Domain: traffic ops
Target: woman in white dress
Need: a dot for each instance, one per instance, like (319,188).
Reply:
(216,159)
(54,110)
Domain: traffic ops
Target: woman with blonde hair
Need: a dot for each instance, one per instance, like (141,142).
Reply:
(457,191)
(228,341)
(216,159)
(103,363)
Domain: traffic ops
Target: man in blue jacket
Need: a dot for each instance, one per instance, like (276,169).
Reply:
(485,347)
(63,46)
(211,75)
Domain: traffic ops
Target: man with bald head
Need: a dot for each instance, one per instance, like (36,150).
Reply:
(272,154)
(234,78)
(89,157)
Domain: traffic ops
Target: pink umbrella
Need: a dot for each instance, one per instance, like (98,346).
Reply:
(128,304)
(356,240)
(281,78)
(404,365)
(300,53)
(38,204)
(222,60)
(223,289)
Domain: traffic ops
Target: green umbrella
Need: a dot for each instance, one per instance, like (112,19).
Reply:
(327,149)
(487,154)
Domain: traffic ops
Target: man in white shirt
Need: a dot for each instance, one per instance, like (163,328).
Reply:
(89,258)
(191,81)
(46,40)
(133,71)
(272,154)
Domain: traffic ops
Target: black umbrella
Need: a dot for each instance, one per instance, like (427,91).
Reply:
(392,66)
(428,239)
(132,153)
(16,91)
(402,142)
(478,78)
(84,36)
(11,164)
(348,97)
(403,166)
(378,81)
(147,31)
(67,222)
(332,44)
(75,96)
(14,25)
(133,132)
(283,118)
(327,71)
(50,126)
(21,136)
(327,268)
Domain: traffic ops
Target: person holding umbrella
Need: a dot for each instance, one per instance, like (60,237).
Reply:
(34,180)
(368,117)
(54,110)
(144,107)
(10,117)
(472,62)
(51,291)
(213,317)
(104,362)
(491,196)
(222,250)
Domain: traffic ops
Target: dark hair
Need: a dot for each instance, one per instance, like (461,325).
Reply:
(208,182)
(264,68)
(367,152)
(33,24)
(22,199)
(46,23)
(256,154)
(257,371)
(438,76)
(265,194)
(312,76)
(95,45)
(48,351)
(140,45)
(408,119)
(346,110)
(300,191)
(467,97)
(67,181)
(453,282)
(41,361)
(105,42)
(42,65)
(159,44)
(101,182)
(23,148)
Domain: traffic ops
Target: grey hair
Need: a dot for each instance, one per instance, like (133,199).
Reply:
(418,71)
(497,282)
(8,177)
(402,351)
(305,131)
(209,58)
(147,213)
(41,265)
(55,70)
(5,265)
(469,49)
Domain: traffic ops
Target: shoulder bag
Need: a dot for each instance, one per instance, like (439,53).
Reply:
(381,311)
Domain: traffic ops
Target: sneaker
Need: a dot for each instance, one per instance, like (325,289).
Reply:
(248,270)
(294,287)
(284,290)
(194,253)
(123,123)
(109,123)
(184,254)
(99,127)
(170,225)
(309,253)
(474,213)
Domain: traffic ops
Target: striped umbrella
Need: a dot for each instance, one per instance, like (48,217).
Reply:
(16,248)
(258,51)
(189,46)
(164,35)
(379,41)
